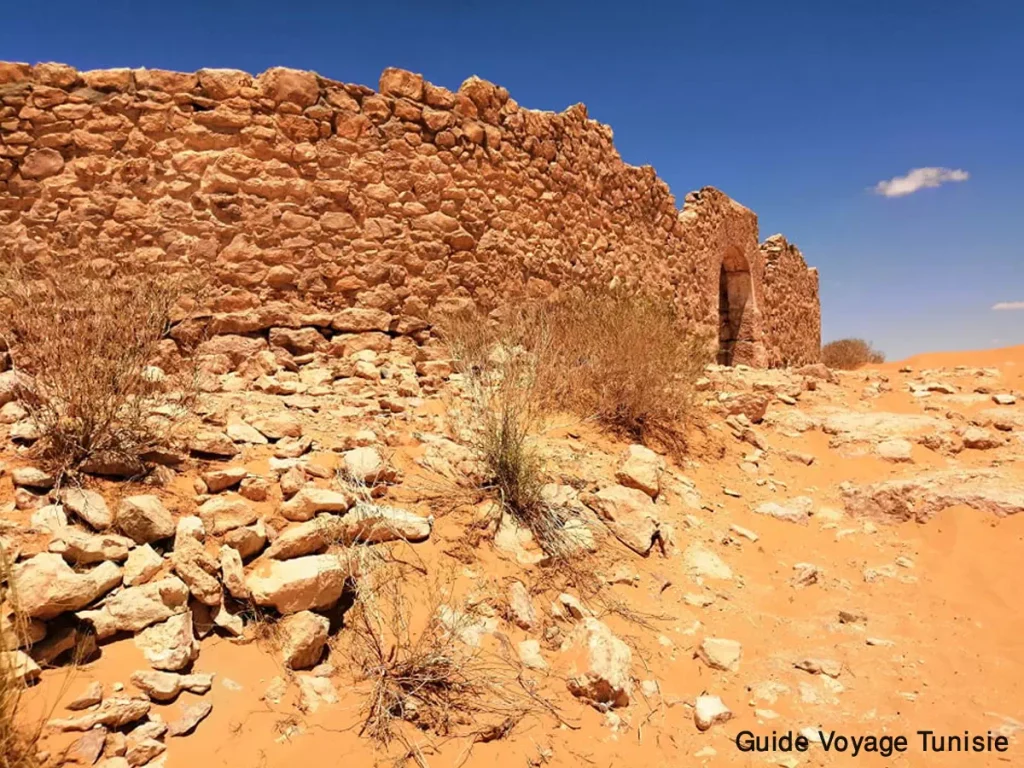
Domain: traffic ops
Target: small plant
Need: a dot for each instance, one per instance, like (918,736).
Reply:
(848,354)
(88,349)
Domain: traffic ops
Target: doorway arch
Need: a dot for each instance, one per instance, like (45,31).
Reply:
(735,305)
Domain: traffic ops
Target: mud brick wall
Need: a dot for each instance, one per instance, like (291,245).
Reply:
(303,197)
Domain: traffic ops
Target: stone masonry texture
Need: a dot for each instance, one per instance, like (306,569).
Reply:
(310,202)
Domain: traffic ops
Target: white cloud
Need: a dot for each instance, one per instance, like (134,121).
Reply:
(1008,305)
(919,178)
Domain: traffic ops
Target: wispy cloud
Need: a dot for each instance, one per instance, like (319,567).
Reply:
(1005,305)
(919,178)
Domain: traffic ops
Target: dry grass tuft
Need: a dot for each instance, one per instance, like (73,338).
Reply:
(17,744)
(624,360)
(89,350)
(848,354)
(408,646)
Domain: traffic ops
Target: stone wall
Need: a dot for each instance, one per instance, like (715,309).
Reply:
(793,316)
(292,190)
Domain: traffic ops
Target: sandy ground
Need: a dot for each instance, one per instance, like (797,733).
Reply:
(946,650)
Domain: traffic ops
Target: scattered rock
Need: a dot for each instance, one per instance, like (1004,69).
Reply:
(165,686)
(47,586)
(719,653)
(81,548)
(303,636)
(169,645)
(190,717)
(90,697)
(630,515)
(115,712)
(1004,399)
(641,468)
(144,519)
(89,506)
(600,665)
(304,583)
(709,711)
(796,510)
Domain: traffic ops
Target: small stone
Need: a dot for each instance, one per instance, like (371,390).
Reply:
(169,645)
(190,717)
(896,450)
(641,468)
(521,609)
(221,479)
(90,697)
(143,564)
(315,691)
(709,711)
(820,667)
(530,655)
(303,636)
(1004,399)
(719,653)
(145,519)
(89,506)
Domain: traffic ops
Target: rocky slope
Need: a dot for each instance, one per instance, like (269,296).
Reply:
(838,552)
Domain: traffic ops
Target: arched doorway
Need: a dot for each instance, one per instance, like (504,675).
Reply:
(735,298)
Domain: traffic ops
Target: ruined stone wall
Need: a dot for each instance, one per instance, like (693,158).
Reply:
(793,317)
(303,197)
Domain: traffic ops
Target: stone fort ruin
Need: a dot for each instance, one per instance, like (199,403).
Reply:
(318,204)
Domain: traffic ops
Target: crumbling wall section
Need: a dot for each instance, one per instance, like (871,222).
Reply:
(293,190)
(793,318)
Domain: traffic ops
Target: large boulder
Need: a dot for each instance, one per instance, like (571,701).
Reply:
(600,665)
(46,585)
(302,584)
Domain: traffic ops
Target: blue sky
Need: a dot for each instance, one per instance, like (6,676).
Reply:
(796,109)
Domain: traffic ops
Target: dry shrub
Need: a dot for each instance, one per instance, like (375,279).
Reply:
(87,349)
(629,362)
(407,646)
(625,360)
(847,354)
